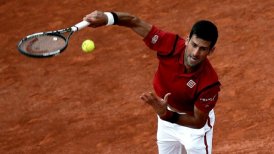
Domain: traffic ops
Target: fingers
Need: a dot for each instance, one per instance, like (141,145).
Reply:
(151,97)
(155,102)
(144,97)
(91,17)
(166,96)
(96,19)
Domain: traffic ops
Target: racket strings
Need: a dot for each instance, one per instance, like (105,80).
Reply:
(43,44)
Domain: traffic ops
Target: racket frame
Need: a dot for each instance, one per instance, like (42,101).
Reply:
(58,33)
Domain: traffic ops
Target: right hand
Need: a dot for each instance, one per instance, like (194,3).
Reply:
(96,19)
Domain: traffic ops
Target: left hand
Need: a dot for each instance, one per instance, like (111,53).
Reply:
(157,103)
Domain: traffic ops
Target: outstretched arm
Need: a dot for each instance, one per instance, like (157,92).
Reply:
(99,18)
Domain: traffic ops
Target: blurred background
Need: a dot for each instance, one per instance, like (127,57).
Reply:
(89,103)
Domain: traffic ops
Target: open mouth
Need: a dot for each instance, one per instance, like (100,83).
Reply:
(194,59)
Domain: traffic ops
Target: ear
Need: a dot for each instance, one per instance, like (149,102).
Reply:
(211,51)
(187,40)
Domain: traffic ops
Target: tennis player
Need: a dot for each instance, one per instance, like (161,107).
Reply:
(186,85)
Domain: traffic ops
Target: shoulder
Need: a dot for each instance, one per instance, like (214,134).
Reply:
(209,71)
(208,76)
(165,43)
(208,88)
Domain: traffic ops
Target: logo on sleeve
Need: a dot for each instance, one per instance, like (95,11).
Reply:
(191,84)
(208,99)
(154,39)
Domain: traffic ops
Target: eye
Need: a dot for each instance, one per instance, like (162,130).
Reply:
(203,48)
(194,45)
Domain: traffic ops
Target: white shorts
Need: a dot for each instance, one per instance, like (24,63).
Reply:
(177,139)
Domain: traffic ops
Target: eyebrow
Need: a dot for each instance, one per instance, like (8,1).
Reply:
(199,46)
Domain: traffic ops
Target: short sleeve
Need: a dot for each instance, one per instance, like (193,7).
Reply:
(207,99)
(160,41)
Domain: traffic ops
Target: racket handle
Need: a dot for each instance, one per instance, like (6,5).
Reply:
(80,25)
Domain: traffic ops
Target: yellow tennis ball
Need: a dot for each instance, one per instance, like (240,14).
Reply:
(88,46)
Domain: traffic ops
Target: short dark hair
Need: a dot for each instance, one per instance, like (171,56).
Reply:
(205,30)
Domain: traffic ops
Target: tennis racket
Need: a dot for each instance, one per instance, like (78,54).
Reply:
(48,44)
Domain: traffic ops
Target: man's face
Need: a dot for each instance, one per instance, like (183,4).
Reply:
(196,52)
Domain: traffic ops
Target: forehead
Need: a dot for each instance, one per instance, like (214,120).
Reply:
(200,42)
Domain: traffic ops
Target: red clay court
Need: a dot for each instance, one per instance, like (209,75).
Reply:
(78,103)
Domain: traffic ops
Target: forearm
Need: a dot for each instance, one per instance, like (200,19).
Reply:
(192,121)
(189,121)
(139,26)
(99,18)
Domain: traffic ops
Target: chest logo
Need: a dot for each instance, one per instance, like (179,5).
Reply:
(154,39)
(191,84)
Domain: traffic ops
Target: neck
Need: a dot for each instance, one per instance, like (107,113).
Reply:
(189,69)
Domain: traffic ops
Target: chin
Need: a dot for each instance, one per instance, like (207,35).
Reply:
(193,64)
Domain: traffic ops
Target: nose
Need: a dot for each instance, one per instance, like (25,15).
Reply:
(196,52)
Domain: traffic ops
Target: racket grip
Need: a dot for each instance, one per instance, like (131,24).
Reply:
(80,25)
